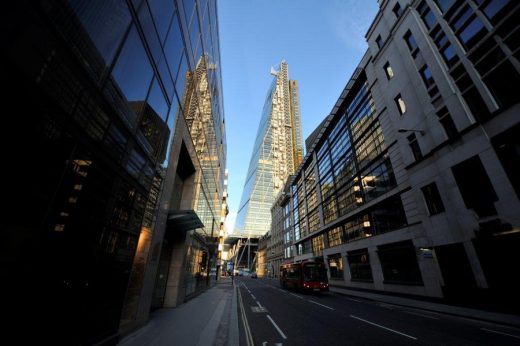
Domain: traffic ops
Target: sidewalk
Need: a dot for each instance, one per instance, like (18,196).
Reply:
(488,316)
(208,319)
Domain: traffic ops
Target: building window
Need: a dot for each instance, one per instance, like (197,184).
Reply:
(401,106)
(426,75)
(444,4)
(493,8)
(336,236)
(318,245)
(399,263)
(475,187)
(388,71)
(133,71)
(429,82)
(472,33)
(398,11)
(379,41)
(105,23)
(447,123)
(410,42)
(433,199)
(359,264)
(449,55)
(427,15)
(414,146)
(503,93)
(336,266)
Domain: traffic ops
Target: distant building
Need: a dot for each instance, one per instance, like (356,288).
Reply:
(277,153)
(116,174)
(262,268)
(413,184)
(280,248)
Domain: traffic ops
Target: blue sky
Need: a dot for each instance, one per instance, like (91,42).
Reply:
(322,42)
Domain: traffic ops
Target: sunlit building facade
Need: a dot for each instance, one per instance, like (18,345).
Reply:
(121,155)
(411,183)
(277,152)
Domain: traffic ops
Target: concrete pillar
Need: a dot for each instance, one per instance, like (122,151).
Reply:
(175,287)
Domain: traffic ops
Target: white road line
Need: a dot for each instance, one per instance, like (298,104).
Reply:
(325,306)
(496,331)
(249,336)
(261,307)
(387,306)
(417,314)
(252,295)
(380,326)
(277,328)
(359,301)
(297,296)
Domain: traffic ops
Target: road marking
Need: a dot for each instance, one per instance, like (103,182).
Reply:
(249,336)
(292,294)
(277,328)
(252,295)
(380,326)
(259,304)
(495,331)
(387,306)
(417,314)
(359,301)
(325,306)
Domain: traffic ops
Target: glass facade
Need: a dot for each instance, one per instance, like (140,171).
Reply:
(350,168)
(103,84)
(276,154)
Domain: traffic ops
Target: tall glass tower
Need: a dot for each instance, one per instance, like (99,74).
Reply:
(277,152)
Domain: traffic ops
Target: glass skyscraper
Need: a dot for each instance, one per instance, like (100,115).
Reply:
(116,173)
(277,152)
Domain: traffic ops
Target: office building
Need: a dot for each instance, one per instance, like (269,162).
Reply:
(116,172)
(277,153)
(411,185)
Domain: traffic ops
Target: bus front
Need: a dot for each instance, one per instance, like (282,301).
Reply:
(315,277)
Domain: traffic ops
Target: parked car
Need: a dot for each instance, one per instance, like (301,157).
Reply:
(254,276)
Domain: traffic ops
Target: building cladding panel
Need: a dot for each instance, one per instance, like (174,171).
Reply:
(277,152)
(424,123)
(103,86)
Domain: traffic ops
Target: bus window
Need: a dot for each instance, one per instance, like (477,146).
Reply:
(314,272)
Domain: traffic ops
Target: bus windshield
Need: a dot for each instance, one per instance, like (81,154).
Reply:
(314,272)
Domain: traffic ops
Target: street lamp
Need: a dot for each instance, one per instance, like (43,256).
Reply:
(411,130)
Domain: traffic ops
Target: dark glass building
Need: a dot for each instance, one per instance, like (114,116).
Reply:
(101,89)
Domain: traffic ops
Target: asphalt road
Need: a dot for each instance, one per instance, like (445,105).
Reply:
(270,315)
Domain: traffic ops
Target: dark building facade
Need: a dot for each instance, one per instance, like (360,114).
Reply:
(102,151)
(411,184)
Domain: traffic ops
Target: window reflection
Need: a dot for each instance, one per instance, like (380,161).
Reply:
(152,40)
(181,77)
(157,101)
(173,46)
(162,11)
(105,21)
(132,71)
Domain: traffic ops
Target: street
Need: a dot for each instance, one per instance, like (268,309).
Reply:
(273,316)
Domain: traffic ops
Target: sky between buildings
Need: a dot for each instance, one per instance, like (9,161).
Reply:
(322,42)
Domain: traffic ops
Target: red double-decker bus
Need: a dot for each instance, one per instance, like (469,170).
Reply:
(307,276)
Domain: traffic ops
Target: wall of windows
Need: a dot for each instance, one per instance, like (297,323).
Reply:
(103,84)
(487,31)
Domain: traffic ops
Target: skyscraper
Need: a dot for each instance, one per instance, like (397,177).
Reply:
(121,151)
(277,152)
